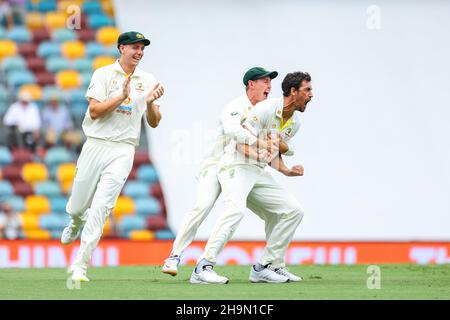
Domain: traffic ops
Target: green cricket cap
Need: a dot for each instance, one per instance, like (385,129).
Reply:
(256,73)
(132,37)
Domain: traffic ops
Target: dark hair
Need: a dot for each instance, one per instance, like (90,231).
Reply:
(294,80)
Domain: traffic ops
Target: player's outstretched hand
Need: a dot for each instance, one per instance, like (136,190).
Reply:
(126,89)
(155,93)
(295,171)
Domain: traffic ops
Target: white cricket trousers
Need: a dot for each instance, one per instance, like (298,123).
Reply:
(208,191)
(252,186)
(102,169)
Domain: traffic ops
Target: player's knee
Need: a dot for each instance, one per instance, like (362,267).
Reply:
(297,213)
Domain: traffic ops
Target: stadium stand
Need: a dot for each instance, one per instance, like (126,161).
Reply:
(44,57)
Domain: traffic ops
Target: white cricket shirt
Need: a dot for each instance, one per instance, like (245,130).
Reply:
(230,126)
(265,117)
(124,123)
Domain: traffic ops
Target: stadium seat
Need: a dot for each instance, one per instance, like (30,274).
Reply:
(85,80)
(164,235)
(33,172)
(107,36)
(46,6)
(6,189)
(5,156)
(45,78)
(30,221)
(136,189)
(37,204)
(34,90)
(18,78)
(22,188)
(17,203)
(56,234)
(63,5)
(19,34)
(73,49)
(91,7)
(55,20)
(101,61)
(82,65)
(3,33)
(147,173)
(40,35)
(12,172)
(124,206)
(37,234)
(53,221)
(141,235)
(112,51)
(96,21)
(34,20)
(147,206)
(36,64)
(27,50)
(68,79)
(47,188)
(58,204)
(22,155)
(133,174)
(66,172)
(156,190)
(66,187)
(78,110)
(141,157)
(131,222)
(108,7)
(76,96)
(48,49)
(57,64)
(62,35)
(8,48)
(50,92)
(158,222)
(94,49)
(86,35)
(13,63)
(57,155)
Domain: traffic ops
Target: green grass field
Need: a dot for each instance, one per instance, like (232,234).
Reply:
(320,282)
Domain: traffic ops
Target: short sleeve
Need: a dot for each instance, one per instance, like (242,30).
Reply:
(97,87)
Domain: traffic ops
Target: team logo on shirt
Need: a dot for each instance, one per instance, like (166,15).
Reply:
(232,173)
(139,86)
(288,132)
(234,113)
(255,118)
(274,126)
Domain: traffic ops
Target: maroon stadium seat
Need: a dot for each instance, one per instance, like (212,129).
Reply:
(155,190)
(22,188)
(21,155)
(141,157)
(156,222)
(27,49)
(86,35)
(40,35)
(12,172)
(133,174)
(36,64)
(45,79)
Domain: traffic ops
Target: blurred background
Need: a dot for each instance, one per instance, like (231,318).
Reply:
(373,141)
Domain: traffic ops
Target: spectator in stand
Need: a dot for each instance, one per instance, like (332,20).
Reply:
(22,118)
(6,15)
(10,222)
(58,126)
(18,10)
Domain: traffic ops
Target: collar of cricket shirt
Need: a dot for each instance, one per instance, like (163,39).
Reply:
(117,67)
(279,115)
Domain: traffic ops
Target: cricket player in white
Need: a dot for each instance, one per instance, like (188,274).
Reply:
(119,94)
(245,182)
(258,85)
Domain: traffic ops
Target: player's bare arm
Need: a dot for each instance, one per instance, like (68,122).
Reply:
(278,164)
(153,114)
(99,109)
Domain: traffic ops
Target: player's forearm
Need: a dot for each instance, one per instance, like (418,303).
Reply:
(247,151)
(278,164)
(100,109)
(282,146)
(153,115)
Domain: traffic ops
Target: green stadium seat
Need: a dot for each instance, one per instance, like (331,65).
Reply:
(18,78)
(83,65)
(47,188)
(147,206)
(136,189)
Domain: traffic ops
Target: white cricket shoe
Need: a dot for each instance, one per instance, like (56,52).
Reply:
(206,276)
(79,274)
(267,275)
(70,233)
(284,272)
(171,265)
